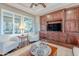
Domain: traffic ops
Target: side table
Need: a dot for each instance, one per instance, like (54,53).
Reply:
(23,41)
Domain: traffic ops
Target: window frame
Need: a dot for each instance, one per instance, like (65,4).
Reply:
(13,19)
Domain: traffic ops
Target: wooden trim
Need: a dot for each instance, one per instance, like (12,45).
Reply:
(54,21)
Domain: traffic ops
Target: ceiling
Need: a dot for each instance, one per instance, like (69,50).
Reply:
(39,10)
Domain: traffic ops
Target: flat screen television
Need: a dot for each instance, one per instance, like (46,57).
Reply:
(54,27)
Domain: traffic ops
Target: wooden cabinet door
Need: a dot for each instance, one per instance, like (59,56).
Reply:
(58,15)
(53,36)
(43,23)
(72,14)
(72,20)
(71,26)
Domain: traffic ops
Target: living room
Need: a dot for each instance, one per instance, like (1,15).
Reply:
(39,29)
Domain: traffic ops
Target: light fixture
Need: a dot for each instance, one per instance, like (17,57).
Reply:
(22,27)
(49,17)
(37,4)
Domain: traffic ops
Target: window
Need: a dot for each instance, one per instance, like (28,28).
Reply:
(17,21)
(7,23)
(28,25)
(10,23)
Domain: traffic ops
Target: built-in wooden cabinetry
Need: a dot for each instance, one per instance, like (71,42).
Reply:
(43,23)
(54,16)
(51,17)
(69,18)
(72,20)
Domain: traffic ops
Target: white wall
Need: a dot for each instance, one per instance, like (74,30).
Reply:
(37,23)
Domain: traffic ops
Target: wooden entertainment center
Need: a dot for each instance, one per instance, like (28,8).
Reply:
(69,18)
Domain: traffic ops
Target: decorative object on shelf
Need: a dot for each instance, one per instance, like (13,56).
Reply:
(41,49)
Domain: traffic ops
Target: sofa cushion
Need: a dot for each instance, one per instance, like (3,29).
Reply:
(4,38)
(9,46)
(14,38)
(8,43)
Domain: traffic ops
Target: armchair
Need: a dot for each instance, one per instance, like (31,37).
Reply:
(75,51)
(33,36)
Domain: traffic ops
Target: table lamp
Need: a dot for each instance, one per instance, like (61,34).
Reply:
(22,27)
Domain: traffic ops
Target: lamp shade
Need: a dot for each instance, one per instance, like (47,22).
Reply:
(22,26)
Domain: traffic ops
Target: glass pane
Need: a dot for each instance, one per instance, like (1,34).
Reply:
(17,22)
(28,25)
(7,14)
(7,25)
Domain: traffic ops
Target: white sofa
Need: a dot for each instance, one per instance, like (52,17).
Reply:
(8,43)
(75,51)
(33,36)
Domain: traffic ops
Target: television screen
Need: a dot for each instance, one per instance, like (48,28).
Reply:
(54,27)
